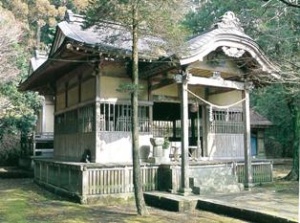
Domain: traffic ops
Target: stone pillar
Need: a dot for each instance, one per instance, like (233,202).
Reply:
(261,153)
(157,144)
(247,140)
(184,187)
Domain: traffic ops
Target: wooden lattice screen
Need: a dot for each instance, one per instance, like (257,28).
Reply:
(228,121)
(118,117)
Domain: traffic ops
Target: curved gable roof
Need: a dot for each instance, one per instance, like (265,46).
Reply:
(115,40)
(228,35)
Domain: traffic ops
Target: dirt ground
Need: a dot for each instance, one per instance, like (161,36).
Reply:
(22,201)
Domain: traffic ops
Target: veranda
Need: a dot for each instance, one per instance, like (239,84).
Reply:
(88,182)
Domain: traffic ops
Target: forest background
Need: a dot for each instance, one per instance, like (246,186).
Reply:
(29,25)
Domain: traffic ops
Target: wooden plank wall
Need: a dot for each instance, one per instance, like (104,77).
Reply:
(225,145)
(70,147)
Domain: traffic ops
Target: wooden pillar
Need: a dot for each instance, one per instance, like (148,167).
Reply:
(205,124)
(193,128)
(247,140)
(174,129)
(97,120)
(184,187)
(199,149)
(150,98)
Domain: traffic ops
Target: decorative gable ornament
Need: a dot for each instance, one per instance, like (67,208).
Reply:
(233,52)
(229,21)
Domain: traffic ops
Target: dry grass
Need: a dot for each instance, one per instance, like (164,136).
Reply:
(22,201)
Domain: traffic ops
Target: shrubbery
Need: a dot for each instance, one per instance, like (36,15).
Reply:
(10,150)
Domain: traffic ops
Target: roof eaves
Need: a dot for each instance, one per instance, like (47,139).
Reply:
(39,71)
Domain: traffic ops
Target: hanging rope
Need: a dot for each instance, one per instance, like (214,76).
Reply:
(214,105)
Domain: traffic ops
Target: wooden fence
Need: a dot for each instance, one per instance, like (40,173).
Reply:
(262,172)
(86,181)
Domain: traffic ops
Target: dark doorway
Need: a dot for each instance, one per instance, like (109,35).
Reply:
(167,121)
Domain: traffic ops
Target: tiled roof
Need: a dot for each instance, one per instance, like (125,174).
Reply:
(227,35)
(115,40)
(108,37)
(37,60)
(211,36)
(258,120)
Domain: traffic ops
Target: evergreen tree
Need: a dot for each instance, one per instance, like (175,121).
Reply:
(274,25)
(17,110)
(141,18)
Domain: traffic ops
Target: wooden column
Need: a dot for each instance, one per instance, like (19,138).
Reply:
(247,140)
(205,124)
(199,149)
(97,117)
(184,187)
(150,98)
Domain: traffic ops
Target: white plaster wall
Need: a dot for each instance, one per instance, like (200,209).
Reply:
(49,117)
(88,90)
(73,96)
(60,101)
(169,90)
(226,98)
(45,122)
(115,147)
(174,91)
(109,86)
(225,146)
(226,67)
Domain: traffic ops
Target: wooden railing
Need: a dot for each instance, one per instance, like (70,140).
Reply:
(117,180)
(262,172)
(87,180)
(42,144)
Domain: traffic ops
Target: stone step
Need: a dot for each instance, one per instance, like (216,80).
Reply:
(212,189)
(210,182)
(215,180)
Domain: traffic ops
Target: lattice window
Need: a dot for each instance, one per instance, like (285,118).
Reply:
(79,120)
(66,123)
(166,128)
(86,119)
(71,122)
(60,123)
(162,128)
(226,121)
(118,117)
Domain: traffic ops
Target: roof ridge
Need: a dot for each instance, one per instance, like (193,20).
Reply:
(229,21)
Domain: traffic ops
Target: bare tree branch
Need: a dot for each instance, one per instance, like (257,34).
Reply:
(288,3)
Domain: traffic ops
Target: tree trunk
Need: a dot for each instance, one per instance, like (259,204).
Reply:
(137,180)
(294,173)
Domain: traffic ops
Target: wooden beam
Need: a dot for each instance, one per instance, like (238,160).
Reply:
(154,68)
(161,84)
(211,82)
